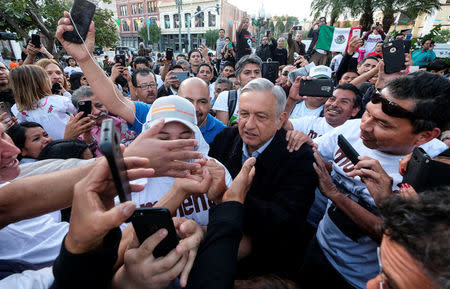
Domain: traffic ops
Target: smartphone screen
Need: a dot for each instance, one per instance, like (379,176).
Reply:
(85,106)
(169,53)
(36,40)
(120,58)
(356,32)
(81,16)
(147,221)
(203,41)
(181,75)
(5,108)
(110,147)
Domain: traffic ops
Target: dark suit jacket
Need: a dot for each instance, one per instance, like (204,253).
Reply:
(162,91)
(277,203)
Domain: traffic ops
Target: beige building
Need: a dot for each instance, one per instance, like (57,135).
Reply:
(208,19)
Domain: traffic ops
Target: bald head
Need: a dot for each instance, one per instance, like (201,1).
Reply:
(197,92)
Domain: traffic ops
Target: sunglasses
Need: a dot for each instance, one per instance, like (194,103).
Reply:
(391,108)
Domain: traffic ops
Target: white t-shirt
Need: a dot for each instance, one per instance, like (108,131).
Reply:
(69,69)
(221,102)
(335,62)
(355,261)
(311,125)
(36,240)
(52,112)
(371,42)
(29,279)
(300,110)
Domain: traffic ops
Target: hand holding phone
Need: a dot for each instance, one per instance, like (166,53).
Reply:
(85,106)
(36,40)
(316,87)
(81,16)
(394,56)
(120,58)
(169,53)
(348,149)
(181,75)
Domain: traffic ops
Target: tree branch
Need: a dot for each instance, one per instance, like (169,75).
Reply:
(38,22)
(13,24)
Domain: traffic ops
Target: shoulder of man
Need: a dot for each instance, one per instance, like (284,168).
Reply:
(223,142)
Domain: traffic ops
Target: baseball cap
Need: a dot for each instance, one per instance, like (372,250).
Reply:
(320,71)
(173,108)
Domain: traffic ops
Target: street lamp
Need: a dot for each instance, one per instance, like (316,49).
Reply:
(260,20)
(199,10)
(179,6)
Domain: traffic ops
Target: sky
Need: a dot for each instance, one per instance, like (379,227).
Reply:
(299,8)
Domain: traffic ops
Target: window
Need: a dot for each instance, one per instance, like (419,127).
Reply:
(153,19)
(187,16)
(151,6)
(133,9)
(125,26)
(211,19)
(176,21)
(123,10)
(136,24)
(166,21)
(200,20)
(140,8)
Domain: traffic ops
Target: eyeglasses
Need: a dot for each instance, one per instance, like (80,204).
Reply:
(285,73)
(145,86)
(391,108)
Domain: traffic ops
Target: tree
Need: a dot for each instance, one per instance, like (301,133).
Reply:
(411,8)
(154,31)
(211,37)
(334,8)
(21,16)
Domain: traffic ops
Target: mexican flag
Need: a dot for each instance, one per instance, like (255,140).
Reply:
(335,39)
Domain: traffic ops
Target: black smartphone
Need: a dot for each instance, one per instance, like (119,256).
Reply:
(169,53)
(85,106)
(297,27)
(56,88)
(407,45)
(110,147)
(348,149)
(146,221)
(36,40)
(267,33)
(181,75)
(316,87)
(4,107)
(394,56)
(120,58)
(270,70)
(81,16)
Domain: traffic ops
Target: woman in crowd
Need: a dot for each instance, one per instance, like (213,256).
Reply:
(35,101)
(56,75)
(30,138)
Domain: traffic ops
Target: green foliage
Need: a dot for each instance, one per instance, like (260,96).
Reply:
(211,37)
(154,30)
(21,16)
(280,28)
(443,36)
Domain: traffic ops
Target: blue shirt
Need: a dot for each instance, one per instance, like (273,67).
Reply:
(142,110)
(212,127)
(420,57)
(255,154)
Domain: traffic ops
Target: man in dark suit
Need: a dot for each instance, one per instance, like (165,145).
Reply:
(283,188)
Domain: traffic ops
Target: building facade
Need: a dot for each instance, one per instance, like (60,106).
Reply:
(133,15)
(208,19)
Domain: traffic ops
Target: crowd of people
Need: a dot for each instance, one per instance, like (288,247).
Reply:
(253,172)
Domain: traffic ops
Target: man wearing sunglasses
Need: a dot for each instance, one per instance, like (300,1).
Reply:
(410,111)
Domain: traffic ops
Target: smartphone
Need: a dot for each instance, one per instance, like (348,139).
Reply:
(230,45)
(110,147)
(356,32)
(394,56)
(120,58)
(146,221)
(297,27)
(348,150)
(203,41)
(56,88)
(169,53)
(36,40)
(4,107)
(407,45)
(181,75)
(81,15)
(316,87)
(267,33)
(85,106)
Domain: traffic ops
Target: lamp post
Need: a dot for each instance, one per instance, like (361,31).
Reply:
(199,10)
(260,20)
(179,6)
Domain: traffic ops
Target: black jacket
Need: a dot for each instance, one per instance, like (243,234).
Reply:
(277,203)
(162,91)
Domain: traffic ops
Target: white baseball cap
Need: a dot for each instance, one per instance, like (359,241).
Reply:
(173,108)
(320,71)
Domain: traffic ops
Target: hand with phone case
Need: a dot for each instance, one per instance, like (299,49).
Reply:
(93,211)
(78,125)
(81,15)
(326,186)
